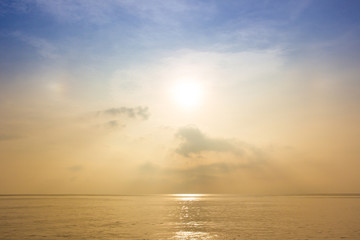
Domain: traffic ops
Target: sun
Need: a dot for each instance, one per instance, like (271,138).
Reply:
(187,94)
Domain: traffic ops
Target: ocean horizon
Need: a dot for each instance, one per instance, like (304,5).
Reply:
(179,216)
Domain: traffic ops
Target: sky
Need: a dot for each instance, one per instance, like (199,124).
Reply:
(179,96)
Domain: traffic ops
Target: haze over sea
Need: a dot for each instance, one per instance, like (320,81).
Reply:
(186,216)
(136,98)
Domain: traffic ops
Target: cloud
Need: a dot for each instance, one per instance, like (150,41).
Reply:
(221,155)
(141,112)
(118,117)
(194,142)
(226,165)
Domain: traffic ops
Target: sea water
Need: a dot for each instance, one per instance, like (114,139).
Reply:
(180,217)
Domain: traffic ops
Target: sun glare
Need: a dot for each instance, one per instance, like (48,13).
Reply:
(188,197)
(188,94)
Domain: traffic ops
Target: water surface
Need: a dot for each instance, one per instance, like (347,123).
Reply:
(179,217)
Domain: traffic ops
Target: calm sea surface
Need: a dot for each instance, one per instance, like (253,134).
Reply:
(179,217)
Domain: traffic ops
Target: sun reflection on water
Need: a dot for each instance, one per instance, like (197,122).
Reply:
(188,218)
(188,197)
(183,235)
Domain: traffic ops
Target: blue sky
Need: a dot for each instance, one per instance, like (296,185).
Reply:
(129,29)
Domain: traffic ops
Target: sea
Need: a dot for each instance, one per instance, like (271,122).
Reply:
(179,216)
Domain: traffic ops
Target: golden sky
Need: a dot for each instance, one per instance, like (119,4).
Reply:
(134,97)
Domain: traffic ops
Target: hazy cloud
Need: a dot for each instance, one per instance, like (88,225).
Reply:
(196,142)
(203,173)
(141,112)
(187,179)
(204,170)
(117,118)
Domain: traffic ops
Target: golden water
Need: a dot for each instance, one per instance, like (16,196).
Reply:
(179,217)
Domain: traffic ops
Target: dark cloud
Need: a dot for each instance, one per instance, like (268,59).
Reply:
(194,142)
(136,112)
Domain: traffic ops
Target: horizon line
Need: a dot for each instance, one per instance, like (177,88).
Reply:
(147,194)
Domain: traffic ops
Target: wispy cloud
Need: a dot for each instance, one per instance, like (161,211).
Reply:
(141,112)
(118,117)
(102,12)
